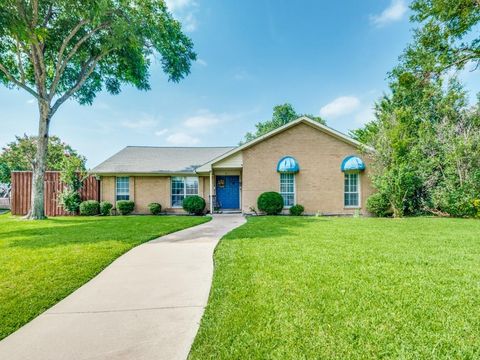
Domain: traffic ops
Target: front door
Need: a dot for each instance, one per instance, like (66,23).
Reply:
(228,192)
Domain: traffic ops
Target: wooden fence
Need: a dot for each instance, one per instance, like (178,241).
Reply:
(22,192)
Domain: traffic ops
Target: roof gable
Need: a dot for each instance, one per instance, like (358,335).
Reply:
(305,120)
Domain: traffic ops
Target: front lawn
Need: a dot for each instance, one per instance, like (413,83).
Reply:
(41,262)
(345,288)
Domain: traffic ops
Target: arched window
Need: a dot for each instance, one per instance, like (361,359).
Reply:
(352,166)
(288,167)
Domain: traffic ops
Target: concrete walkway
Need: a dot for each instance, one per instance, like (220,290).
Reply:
(145,305)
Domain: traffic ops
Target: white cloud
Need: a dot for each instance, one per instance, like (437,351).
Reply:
(201,62)
(139,124)
(184,10)
(342,105)
(181,138)
(394,12)
(364,116)
(203,121)
(161,132)
(175,5)
(31,101)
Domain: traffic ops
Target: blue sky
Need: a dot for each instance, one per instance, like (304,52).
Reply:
(326,58)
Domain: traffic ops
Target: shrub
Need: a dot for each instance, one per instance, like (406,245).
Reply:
(105,208)
(70,200)
(155,208)
(125,207)
(378,205)
(297,210)
(270,202)
(194,204)
(476,205)
(89,208)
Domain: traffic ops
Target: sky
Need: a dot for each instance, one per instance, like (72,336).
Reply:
(326,58)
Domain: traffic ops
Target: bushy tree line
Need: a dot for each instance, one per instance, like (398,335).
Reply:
(426,134)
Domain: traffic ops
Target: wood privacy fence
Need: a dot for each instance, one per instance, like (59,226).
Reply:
(22,192)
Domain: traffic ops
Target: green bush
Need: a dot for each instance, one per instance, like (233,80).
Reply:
(297,210)
(125,207)
(105,208)
(270,203)
(155,208)
(378,205)
(70,200)
(194,204)
(89,208)
(476,205)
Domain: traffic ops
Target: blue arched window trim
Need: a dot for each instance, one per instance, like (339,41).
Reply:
(288,165)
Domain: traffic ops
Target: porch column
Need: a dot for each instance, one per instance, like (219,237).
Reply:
(211,191)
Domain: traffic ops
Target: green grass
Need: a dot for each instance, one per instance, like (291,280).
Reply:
(41,262)
(345,288)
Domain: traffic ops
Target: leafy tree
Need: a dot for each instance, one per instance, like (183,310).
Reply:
(282,114)
(61,49)
(20,155)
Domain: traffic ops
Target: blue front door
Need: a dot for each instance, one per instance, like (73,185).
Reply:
(228,192)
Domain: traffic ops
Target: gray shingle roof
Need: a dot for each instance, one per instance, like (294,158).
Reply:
(157,160)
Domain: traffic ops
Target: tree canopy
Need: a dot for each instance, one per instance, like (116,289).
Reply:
(61,49)
(282,114)
(20,153)
(426,133)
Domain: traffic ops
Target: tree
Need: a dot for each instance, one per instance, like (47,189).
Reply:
(282,114)
(20,155)
(71,49)
(72,175)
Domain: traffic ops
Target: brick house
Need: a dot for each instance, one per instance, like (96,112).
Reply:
(306,162)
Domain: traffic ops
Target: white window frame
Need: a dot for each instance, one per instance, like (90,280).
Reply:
(359,187)
(184,193)
(289,193)
(122,192)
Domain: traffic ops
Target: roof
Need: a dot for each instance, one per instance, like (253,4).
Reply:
(159,160)
(328,130)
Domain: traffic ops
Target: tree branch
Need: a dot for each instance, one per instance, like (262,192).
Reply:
(83,75)
(20,64)
(62,63)
(18,83)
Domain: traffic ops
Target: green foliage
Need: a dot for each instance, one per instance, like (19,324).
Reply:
(378,205)
(270,202)
(282,114)
(155,208)
(70,200)
(296,210)
(476,205)
(194,204)
(105,208)
(426,136)
(125,207)
(20,155)
(89,208)
(72,176)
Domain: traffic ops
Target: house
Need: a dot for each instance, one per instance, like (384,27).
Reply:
(306,162)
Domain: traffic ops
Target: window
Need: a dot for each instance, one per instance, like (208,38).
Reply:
(287,189)
(351,190)
(182,187)
(123,188)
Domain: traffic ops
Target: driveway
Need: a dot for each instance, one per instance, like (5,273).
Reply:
(146,305)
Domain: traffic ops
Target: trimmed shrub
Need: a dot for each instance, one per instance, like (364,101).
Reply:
(89,208)
(297,210)
(105,208)
(155,208)
(194,204)
(270,202)
(125,207)
(378,205)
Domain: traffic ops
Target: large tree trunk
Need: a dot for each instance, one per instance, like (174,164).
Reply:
(37,210)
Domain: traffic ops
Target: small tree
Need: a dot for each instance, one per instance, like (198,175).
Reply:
(58,50)
(72,175)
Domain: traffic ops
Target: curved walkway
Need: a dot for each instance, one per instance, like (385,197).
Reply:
(146,305)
